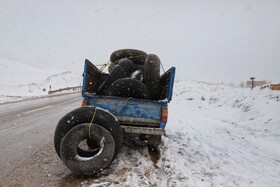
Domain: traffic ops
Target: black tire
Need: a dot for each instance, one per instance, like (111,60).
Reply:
(92,164)
(136,56)
(123,69)
(129,87)
(84,115)
(152,75)
(136,66)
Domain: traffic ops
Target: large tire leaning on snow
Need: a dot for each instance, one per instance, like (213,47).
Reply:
(129,87)
(123,69)
(136,56)
(152,75)
(92,164)
(84,115)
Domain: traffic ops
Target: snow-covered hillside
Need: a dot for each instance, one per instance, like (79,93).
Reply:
(20,80)
(223,137)
(217,135)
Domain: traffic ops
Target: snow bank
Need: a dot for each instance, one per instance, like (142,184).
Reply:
(222,136)
(217,135)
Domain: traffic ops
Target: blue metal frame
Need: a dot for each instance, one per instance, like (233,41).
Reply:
(131,108)
(171,83)
(85,76)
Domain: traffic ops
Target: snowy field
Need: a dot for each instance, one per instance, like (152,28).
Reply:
(217,135)
(232,138)
(20,80)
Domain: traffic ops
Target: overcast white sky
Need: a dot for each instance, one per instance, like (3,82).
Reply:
(215,40)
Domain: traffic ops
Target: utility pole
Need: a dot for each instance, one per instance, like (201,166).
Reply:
(253,84)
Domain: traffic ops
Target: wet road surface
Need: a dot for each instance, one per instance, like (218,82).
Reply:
(27,156)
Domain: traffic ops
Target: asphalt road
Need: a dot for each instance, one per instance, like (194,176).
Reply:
(27,127)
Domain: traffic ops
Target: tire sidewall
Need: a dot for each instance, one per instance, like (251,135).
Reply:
(94,163)
(84,115)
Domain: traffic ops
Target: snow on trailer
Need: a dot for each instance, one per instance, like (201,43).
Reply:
(131,101)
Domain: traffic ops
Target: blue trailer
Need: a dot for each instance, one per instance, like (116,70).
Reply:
(139,116)
(102,123)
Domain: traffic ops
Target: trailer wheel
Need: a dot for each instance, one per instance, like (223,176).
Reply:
(136,56)
(85,115)
(93,163)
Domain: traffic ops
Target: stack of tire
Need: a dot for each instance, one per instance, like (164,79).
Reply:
(133,73)
(98,130)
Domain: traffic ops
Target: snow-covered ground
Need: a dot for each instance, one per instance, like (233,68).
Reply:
(222,136)
(20,80)
(217,135)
